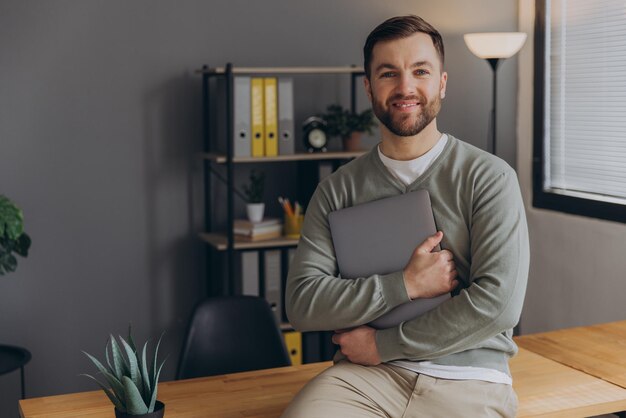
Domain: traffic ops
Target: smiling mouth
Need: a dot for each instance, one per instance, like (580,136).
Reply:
(405,105)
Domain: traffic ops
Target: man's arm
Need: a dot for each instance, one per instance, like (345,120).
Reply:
(492,303)
(316,299)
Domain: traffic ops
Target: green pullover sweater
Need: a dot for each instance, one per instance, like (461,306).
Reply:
(477,203)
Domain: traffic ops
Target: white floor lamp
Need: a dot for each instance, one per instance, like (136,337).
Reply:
(494,47)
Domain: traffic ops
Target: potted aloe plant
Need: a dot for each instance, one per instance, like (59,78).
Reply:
(253,192)
(131,382)
(13,239)
(348,126)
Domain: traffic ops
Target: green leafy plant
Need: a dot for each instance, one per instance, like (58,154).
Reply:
(13,239)
(341,122)
(131,383)
(255,188)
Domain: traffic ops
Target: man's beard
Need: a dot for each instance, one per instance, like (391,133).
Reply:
(402,124)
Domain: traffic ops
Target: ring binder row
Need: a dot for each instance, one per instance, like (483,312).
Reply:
(263,120)
(250,264)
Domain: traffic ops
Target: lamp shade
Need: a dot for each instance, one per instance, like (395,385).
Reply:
(495,44)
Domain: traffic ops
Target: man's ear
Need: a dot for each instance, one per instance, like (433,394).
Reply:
(368,88)
(442,85)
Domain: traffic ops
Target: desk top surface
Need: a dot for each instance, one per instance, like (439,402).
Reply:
(544,388)
(598,350)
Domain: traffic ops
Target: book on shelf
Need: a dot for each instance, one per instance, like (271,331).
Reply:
(257,231)
(262,236)
(246,224)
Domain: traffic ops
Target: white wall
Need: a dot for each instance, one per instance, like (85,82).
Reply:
(577,263)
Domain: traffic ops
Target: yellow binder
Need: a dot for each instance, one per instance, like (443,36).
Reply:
(257,117)
(293,342)
(271,116)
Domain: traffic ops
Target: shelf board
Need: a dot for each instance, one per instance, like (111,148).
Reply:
(220,242)
(284,70)
(340,155)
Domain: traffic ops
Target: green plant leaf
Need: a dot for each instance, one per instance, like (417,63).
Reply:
(133,367)
(106,355)
(9,262)
(118,359)
(113,382)
(135,404)
(154,381)
(144,373)
(154,392)
(11,219)
(111,397)
(130,340)
(22,245)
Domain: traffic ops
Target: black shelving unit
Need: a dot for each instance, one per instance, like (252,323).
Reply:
(223,243)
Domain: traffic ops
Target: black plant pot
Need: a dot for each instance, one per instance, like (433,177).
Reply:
(159,410)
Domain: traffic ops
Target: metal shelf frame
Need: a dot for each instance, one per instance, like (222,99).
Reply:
(227,73)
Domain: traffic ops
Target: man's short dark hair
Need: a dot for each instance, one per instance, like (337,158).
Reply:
(397,28)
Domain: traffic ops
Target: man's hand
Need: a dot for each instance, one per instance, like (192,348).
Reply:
(429,274)
(358,345)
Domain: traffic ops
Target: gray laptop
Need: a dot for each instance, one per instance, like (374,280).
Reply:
(379,237)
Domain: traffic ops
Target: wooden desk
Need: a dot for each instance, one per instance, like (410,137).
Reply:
(598,350)
(545,388)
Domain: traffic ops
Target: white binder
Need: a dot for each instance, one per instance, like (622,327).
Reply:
(273,291)
(286,142)
(241,117)
(250,273)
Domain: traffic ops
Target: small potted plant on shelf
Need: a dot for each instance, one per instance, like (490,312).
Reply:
(348,126)
(132,382)
(253,192)
(13,239)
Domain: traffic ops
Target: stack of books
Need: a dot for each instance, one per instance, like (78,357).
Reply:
(258,231)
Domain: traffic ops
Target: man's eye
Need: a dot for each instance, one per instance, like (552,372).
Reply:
(387,74)
(421,72)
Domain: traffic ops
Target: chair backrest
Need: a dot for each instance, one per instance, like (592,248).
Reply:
(231,334)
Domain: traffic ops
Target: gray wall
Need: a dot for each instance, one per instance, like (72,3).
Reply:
(99,123)
(577,263)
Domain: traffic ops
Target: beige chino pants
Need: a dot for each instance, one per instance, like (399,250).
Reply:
(349,390)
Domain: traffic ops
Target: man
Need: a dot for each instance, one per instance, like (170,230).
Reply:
(453,360)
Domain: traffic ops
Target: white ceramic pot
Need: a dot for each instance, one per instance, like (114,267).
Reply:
(255,211)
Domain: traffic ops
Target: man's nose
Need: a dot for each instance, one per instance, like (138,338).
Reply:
(406,85)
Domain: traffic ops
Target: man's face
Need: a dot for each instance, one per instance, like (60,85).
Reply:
(406,84)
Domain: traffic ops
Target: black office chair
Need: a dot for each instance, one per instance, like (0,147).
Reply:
(231,334)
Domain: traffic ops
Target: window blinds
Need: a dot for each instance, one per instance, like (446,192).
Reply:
(585,142)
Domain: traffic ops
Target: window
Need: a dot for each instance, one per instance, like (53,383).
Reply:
(579,163)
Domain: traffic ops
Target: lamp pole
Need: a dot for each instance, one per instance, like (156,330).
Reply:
(493,62)
(494,47)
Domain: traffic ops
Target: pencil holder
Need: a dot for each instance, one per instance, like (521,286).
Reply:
(293,225)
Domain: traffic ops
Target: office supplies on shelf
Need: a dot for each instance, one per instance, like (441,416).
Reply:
(257,117)
(286,140)
(285,205)
(270,92)
(387,232)
(293,226)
